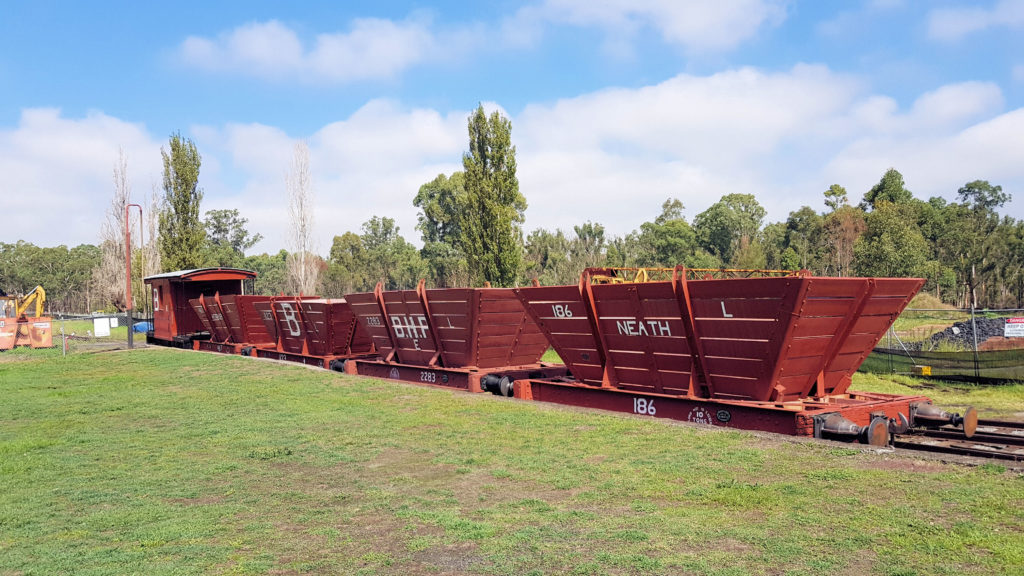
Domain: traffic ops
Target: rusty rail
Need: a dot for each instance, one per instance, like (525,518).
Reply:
(1003,440)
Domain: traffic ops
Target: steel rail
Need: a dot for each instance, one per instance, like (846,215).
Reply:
(974,447)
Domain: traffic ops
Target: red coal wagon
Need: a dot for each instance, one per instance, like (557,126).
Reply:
(766,350)
(471,338)
(310,330)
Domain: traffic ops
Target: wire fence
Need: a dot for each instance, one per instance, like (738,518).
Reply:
(980,346)
(92,332)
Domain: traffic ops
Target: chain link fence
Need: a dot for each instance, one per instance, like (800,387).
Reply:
(98,331)
(981,346)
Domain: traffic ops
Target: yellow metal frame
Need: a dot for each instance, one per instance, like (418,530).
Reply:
(639,275)
(20,305)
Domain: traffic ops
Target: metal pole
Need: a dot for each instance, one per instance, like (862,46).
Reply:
(889,349)
(974,332)
(129,305)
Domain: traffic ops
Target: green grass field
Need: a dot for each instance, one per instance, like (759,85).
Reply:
(160,461)
(84,328)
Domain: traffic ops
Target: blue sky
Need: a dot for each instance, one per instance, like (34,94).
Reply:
(615,105)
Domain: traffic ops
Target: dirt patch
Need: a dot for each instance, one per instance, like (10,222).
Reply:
(1002,343)
(861,563)
(451,559)
(733,546)
(198,500)
(902,464)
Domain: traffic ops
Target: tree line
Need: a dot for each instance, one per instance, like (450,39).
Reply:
(470,224)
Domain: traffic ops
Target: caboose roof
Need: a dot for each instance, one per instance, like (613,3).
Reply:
(204,274)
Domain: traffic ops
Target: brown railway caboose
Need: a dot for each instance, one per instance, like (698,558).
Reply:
(175,322)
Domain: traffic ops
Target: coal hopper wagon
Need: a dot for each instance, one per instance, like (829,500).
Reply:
(749,349)
(752,349)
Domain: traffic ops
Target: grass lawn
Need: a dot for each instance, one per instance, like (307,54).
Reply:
(1005,401)
(161,461)
(84,328)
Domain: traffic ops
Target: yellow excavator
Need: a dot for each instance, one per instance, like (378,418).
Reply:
(19,306)
(22,322)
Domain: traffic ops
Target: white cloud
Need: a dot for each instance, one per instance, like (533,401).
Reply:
(380,49)
(370,164)
(611,156)
(372,49)
(58,174)
(848,22)
(951,24)
(937,166)
(614,156)
(705,25)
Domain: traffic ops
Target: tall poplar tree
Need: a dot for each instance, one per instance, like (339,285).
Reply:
(491,233)
(182,235)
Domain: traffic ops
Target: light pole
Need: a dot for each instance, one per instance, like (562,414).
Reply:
(128,267)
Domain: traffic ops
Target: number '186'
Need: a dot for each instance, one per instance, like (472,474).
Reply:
(643,406)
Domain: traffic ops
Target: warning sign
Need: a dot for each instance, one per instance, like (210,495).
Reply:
(1014,328)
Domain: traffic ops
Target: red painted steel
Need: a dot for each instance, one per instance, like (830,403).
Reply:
(245,322)
(210,314)
(331,328)
(480,328)
(174,317)
(754,339)
(219,347)
(8,332)
(36,332)
(265,309)
(460,378)
(214,310)
(291,337)
(200,312)
(282,321)
(303,329)
(307,359)
(793,418)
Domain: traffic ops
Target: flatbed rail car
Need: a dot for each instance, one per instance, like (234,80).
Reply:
(175,321)
(765,350)
(474,339)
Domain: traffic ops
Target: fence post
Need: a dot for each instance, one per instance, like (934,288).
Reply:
(888,346)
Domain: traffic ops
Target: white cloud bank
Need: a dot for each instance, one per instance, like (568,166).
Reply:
(372,49)
(611,156)
(696,25)
(951,24)
(58,174)
(370,164)
(381,49)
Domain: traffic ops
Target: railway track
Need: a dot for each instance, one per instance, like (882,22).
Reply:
(997,439)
